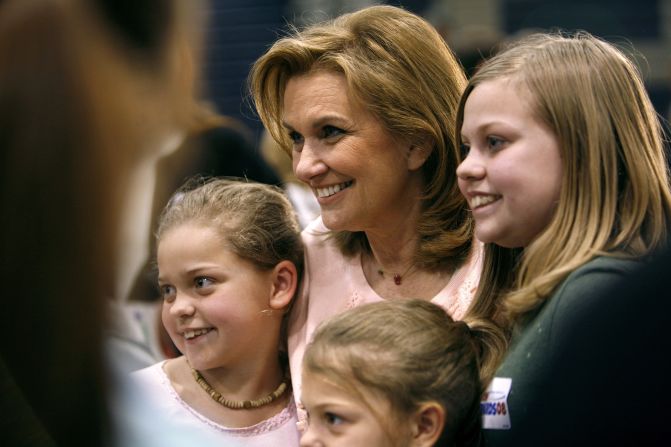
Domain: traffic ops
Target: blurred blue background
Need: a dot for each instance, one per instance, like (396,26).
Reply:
(239,31)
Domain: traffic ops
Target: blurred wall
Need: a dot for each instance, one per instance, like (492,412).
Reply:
(241,30)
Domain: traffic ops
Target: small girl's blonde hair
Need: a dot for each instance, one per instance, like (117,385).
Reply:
(256,221)
(407,352)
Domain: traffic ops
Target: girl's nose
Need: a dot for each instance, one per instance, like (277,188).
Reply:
(182,306)
(309,437)
(472,168)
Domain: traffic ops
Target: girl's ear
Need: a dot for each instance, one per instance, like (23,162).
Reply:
(285,282)
(418,153)
(427,424)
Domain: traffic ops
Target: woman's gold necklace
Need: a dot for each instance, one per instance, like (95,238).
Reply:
(398,277)
(238,404)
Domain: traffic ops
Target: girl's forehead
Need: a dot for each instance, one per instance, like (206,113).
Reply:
(497,100)
(191,232)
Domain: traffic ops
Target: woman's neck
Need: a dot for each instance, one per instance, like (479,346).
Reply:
(391,271)
(394,246)
(394,254)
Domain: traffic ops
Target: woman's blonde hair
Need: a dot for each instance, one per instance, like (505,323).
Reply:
(614,199)
(399,67)
(407,352)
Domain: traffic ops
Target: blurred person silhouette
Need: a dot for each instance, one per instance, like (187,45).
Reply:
(175,64)
(197,141)
(74,84)
(201,142)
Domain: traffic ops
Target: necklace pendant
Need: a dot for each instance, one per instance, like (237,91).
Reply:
(397,279)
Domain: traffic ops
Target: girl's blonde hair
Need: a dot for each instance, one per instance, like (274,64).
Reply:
(407,352)
(403,72)
(256,221)
(615,198)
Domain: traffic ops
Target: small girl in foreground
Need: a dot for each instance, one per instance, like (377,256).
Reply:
(392,373)
(229,258)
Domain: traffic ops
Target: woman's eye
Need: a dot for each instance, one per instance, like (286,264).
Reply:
(202,282)
(295,137)
(296,140)
(495,143)
(331,132)
(167,292)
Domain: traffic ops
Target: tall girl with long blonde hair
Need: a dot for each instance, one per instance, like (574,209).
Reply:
(566,177)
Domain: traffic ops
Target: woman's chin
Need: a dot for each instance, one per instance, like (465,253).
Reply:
(334,223)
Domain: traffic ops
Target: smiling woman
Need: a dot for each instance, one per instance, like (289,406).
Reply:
(365,106)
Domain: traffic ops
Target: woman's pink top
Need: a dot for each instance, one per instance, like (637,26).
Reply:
(333,283)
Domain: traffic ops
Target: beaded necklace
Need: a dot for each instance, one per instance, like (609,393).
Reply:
(238,404)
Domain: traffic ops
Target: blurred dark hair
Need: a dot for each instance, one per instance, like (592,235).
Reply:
(142,25)
(69,110)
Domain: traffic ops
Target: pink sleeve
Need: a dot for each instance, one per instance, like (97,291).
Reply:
(458,295)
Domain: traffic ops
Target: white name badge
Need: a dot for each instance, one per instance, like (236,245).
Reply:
(494,404)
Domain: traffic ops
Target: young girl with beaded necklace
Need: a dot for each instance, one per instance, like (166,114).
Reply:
(229,258)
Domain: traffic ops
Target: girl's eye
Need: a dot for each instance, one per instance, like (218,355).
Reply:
(331,132)
(168,292)
(495,143)
(202,282)
(333,419)
(464,149)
